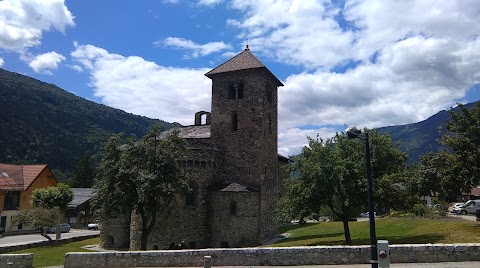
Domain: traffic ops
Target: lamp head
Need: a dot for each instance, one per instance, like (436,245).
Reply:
(353,132)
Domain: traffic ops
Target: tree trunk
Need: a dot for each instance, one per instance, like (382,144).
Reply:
(43,233)
(346,230)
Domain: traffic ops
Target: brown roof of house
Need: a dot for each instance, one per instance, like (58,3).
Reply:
(18,177)
(242,61)
(475,191)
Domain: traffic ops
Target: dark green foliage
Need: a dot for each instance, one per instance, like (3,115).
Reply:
(55,196)
(332,173)
(48,204)
(41,123)
(453,171)
(39,218)
(464,139)
(144,177)
(84,174)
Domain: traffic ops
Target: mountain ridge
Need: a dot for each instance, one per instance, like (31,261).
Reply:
(42,123)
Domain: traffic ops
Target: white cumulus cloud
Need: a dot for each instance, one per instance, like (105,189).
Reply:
(143,87)
(22,22)
(46,62)
(363,62)
(197,49)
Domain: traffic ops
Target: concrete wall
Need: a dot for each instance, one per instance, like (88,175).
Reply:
(16,260)
(321,255)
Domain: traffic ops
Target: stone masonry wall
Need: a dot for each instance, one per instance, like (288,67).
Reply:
(250,148)
(187,222)
(321,255)
(16,260)
(237,228)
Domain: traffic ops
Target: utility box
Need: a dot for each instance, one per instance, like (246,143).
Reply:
(383,254)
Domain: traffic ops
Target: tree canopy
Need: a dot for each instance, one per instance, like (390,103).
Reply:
(464,139)
(332,173)
(84,173)
(47,205)
(454,170)
(140,177)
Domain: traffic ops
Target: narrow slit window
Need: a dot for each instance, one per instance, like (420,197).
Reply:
(234,121)
(233,208)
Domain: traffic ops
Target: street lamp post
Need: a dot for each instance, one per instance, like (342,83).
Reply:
(353,133)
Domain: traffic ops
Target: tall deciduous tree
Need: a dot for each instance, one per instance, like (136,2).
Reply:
(48,204)
(464,139)
(332,173)
(143,178)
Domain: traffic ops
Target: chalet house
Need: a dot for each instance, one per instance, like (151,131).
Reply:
(17,183)
(80,212)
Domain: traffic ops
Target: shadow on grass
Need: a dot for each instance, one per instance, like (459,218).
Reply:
(310,237)
(293,226)
(415,239)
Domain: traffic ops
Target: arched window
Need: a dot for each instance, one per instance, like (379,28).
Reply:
(234,121)
(191,195)
(235,91)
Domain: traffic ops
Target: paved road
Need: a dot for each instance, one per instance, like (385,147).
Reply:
(393,265)
(30,238)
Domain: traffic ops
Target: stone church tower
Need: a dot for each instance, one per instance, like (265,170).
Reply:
(244,128)
(234,169)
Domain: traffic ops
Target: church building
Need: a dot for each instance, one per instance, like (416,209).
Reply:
(234,170)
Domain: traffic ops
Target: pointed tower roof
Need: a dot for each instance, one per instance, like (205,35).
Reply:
(242,61)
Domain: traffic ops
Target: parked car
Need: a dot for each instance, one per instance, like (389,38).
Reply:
(454,206)
(93,226)
(367,214)
(64,228)
(470,207)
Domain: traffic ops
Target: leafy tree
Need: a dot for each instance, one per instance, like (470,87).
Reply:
(48,204)
(332,173)
(464,139)
(84,174)
(38,218)
(437,175)
(50,197)
(143,178)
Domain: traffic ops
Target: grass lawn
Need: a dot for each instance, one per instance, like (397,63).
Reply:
(395,230)
(54,255)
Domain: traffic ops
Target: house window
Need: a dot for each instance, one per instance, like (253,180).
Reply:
(235,91)
(234,121)
(11,201)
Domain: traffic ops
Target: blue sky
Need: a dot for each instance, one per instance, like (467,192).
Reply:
(364,63)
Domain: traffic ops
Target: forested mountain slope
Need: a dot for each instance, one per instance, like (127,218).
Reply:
(42,123)
(422,137)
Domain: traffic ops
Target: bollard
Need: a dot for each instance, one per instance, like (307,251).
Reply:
(207,261)
(383,254)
